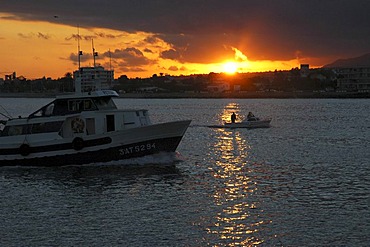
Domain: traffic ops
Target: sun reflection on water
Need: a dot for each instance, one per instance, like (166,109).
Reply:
(225,116)
(237,221)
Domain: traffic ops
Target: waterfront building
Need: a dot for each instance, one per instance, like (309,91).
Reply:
(91,78)
(304,70)
(353,79)
(218,86)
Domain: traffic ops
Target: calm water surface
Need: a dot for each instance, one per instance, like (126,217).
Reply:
(303,182)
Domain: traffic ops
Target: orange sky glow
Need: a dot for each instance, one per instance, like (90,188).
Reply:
(37,49)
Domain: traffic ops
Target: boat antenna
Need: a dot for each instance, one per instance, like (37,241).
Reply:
(79,49)
(110,60)
(95,54)
(79,53)
(96,79)
(110,68)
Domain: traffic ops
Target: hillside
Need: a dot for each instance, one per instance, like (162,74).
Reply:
(361,61)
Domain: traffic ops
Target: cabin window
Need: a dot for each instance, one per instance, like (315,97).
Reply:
(110,123)
(88,105)
(90,126)
(44,111)
(13,130)
(75,105)
(36,128)
(39,113)
(61,107)
(46,127)
(49,110)
(104,103)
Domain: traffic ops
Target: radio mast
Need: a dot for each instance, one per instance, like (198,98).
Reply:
(79,49)
(95,54)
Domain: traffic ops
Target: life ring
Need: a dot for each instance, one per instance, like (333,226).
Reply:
(24,149)
(78,143)
(78,125)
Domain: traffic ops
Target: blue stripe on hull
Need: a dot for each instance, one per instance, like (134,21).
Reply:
(103,155)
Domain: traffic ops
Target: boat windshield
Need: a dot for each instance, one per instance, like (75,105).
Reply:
(104,103)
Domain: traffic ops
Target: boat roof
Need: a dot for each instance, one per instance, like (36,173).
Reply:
(92,94)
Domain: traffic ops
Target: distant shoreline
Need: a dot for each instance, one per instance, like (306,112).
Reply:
(215,95)
(250,95)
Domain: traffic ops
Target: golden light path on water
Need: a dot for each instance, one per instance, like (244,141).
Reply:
(237,224)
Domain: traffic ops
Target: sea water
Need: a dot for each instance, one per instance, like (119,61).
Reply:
(305,181)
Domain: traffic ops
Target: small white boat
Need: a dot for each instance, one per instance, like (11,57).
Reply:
(253,122)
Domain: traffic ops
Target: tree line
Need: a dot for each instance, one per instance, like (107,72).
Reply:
(319,79)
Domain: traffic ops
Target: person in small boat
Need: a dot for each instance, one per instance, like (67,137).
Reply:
(250,116)
(233,117)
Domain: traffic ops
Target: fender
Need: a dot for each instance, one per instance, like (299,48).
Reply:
(78,143)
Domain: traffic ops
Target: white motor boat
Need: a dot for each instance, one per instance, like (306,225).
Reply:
(85,128)
(253,122)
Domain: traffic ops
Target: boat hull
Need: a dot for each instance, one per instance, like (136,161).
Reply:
(136,142)
(245,124)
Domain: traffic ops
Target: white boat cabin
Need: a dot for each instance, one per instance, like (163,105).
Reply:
(77,115)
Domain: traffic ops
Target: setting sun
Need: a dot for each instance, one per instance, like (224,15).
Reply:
(230,67)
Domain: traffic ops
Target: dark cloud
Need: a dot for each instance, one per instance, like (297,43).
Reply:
(127,60)
(24,36)
(43,36)
(183,68)
(200,31)
(171,54)
(147,50)
(84,58)
(173,68)
(122,68)
(32,35)
(151,39)
(82,37)
(129,56)
(107,35)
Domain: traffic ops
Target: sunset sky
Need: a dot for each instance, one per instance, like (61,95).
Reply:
(145,37)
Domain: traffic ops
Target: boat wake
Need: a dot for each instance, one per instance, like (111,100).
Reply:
(198,125)
(163,158)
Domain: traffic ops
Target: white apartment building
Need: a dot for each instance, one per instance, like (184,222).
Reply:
(91,78)
(353,79)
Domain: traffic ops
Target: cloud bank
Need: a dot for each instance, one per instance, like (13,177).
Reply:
(208,30)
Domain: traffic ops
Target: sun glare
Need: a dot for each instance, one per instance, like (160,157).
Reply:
(230,67)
